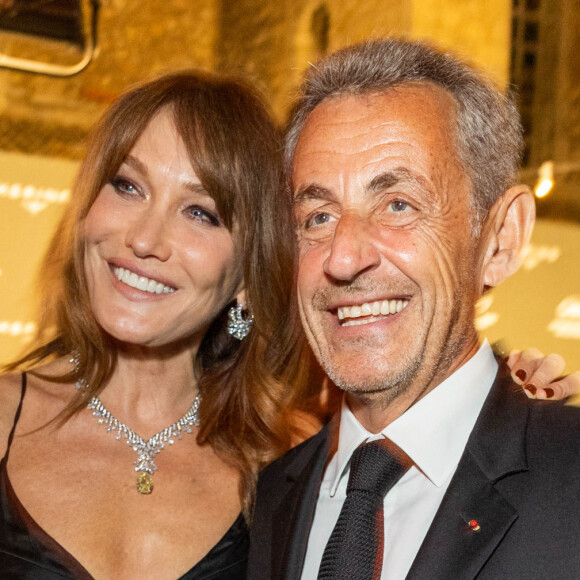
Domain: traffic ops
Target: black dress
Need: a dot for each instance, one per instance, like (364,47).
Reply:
(27,552)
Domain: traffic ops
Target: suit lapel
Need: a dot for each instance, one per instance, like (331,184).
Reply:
(452,549)
(474,517)
(292,518)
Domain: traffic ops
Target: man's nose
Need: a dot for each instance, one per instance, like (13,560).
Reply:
(352,250)
(147,236)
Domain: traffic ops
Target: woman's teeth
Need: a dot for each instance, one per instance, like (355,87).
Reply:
(370,309)
(142,283)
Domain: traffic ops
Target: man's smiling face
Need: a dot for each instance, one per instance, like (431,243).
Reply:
(388,268)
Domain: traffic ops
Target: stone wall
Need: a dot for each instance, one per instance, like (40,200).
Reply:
(271,41)
(276,41)
(545,70)
(136,40)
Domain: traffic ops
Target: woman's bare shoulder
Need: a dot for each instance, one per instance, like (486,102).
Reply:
(39,392)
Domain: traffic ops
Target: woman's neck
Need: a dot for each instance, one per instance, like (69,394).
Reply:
(150,389)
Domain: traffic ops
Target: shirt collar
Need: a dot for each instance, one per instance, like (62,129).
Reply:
(434,431)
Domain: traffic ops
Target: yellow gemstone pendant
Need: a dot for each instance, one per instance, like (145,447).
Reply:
(146,450)
(144,483)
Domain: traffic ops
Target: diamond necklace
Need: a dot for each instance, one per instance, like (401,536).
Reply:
(146,450)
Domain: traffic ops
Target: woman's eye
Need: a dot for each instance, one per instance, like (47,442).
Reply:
(124,186)
(203,215)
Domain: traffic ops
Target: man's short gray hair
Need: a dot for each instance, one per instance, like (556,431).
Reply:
(489,133)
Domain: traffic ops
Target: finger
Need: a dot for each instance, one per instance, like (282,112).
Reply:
(539,384)
(547,369)
(513,358)
(560,389)
(524,364)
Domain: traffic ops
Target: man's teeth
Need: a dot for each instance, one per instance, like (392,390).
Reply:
(142,283)
(378,308)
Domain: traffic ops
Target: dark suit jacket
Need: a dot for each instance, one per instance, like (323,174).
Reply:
(519,477)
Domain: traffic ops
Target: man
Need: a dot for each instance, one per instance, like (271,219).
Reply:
(402,164)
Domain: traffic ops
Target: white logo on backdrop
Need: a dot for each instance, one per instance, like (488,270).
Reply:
(534,255)
(484,318)
(34,199)
(17,328)
(566,324)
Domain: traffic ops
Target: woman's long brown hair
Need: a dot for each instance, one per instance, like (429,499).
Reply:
(235,151)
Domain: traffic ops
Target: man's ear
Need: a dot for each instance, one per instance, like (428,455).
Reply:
(507,232)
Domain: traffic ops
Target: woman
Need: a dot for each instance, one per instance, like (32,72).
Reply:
(175,219)
(175,226)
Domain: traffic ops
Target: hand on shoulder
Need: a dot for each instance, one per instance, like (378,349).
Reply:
(541,376)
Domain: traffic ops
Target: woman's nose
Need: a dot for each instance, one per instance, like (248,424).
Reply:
(147,236)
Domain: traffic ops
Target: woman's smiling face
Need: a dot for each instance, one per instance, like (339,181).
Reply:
(160,264)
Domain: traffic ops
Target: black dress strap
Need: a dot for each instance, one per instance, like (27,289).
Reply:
(16,416)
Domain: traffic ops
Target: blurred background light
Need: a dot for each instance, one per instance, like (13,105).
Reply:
(545,179)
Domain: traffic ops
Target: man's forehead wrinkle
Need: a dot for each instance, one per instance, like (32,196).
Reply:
(336,124)
(341,126)
(377,133)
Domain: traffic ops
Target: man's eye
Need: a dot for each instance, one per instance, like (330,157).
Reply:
(318,219)
(398,206)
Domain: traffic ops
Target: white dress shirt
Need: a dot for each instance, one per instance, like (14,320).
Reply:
(433,433)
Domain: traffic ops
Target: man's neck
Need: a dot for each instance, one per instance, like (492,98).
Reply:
(376,410)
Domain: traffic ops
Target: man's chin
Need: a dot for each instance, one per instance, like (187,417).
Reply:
(369,382)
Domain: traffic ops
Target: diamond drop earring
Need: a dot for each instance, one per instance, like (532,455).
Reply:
(240,321)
